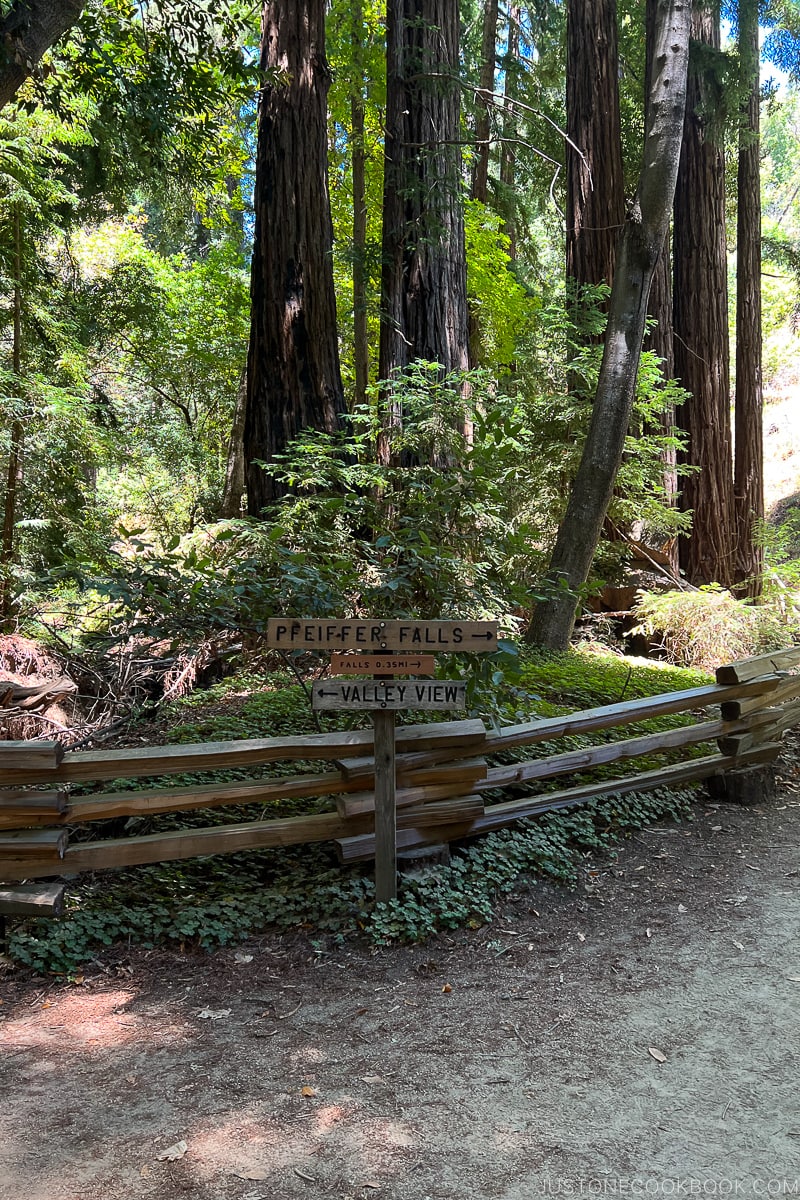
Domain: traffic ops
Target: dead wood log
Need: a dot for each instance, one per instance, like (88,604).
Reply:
(28,697)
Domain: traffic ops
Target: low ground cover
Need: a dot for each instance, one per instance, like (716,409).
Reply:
(218,901)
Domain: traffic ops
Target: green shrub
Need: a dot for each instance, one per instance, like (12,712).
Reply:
(709,626)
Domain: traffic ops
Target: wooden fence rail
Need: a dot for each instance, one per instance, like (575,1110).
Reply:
(442,776)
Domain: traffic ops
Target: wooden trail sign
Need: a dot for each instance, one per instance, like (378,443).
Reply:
(472,637)
(382,664)
(389,648)
(389,694)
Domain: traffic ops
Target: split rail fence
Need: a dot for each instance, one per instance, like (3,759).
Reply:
(442,777)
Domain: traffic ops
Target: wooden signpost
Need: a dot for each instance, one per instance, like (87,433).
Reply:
(389,648)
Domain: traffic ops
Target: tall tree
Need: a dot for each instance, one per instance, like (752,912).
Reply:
(642,241)
(17,435)
(293,376)
(660,339)
(360,341)
(700,314)
(480,172)
(235,484)
(595,192)
(423,284)
(749,441)
(508,152)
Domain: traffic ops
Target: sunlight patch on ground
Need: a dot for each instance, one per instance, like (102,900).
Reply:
(84,1021)
(339,1138)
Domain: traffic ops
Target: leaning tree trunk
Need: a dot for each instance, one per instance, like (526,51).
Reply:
(642,241)
(700,299)
(424,279)
(659,339)
(293,376)
(595,190)
(749,440)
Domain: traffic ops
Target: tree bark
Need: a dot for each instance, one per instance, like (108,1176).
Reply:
(14,473)
(360,339)
(293,374)
(27,30)
(14,480)
(749,437)
(480,174)
(700,299)
(595,190)
(508,152)
(660,339)
(642,240)
(423,282)
(235,481)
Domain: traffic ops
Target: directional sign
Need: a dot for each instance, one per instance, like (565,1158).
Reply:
(389,694)
(382,664)
(472,637)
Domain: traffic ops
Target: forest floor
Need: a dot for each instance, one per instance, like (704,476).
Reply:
(636,1036)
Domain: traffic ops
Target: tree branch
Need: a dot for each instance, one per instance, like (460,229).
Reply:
(28,29)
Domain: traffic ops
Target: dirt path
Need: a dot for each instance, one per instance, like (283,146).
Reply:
(513,1061)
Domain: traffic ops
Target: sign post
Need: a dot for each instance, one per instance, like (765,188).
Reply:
(389,648)
(385,806)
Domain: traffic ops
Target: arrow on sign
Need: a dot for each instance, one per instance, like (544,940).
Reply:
(482,637)
(322,692)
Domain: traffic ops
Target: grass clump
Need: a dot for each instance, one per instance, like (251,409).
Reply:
(709,626)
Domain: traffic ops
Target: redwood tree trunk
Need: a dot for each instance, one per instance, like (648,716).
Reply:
(480,175)
(660,339)
(14,479)
(700,299)
(235,482)
(360,339)
(749,454)
(14,472)
(423,283)
(642,241)
(293,376)
(508,152)
(595,191)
